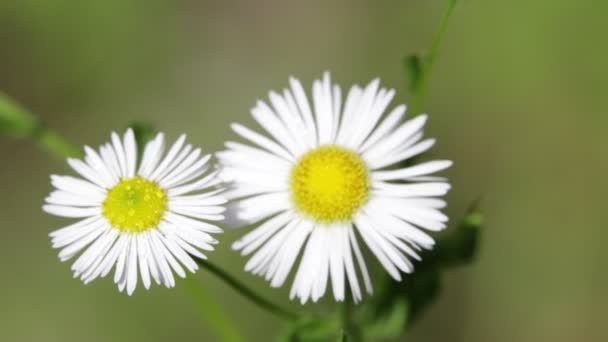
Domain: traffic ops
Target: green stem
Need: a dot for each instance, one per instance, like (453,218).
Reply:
(349,327)
(427,65)
(345,308)
(54,143)
(247,292)
(19,123)
(212,312)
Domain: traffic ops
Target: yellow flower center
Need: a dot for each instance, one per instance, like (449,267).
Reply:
(329,183)
(135,205)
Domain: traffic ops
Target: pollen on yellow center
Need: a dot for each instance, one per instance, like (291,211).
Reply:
(329,183)
(135,205)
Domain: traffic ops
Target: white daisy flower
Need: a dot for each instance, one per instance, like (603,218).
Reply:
(149,219)
(329,174)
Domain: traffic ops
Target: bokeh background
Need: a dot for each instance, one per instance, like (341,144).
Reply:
(517,100)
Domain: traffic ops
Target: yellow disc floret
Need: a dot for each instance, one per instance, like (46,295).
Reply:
(135,205)
(329,183)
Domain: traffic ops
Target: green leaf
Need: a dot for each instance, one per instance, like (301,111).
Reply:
(15,121)
(390,324)
(413,68)
(459,245)
(343,337)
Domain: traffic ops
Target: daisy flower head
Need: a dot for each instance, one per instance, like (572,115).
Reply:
(326,175)
(144,221)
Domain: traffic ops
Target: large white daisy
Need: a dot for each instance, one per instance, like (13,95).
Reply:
(148,219)
(329,174)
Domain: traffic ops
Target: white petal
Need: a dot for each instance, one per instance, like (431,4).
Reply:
(387,125)
(349,265)
(411,190)
(132,266)
(121,263)
(120,154)
(362,116)
(96,162)
(160,247)
(192,158)
(206,182)
(78,187)
(152,155)
(336,262)
(292,248)
(366,278)
(256,237)
(66,211)
(87,172)
(396,138)
(403,154)
(180,220)
(323,109)
(289,114)
(173,152)
(71,250)
(376,248)
(412,171)
(110,259)
(304,109)
(143,250)
(261,141)
(378,107)
(130,153)
(259,207)
(348,119)
(65,198)
(273,125)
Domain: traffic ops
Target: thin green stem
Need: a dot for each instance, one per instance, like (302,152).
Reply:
(345,308)
(429,60)
(247,292)
(54,143)
(211,311)
(19,123)
(349,327)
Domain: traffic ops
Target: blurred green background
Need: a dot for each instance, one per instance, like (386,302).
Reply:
(517,100)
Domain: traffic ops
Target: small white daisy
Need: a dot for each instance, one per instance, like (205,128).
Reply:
(326,173)
(148,219)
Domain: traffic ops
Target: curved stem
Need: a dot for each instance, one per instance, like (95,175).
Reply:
(429,60)
(247,292)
